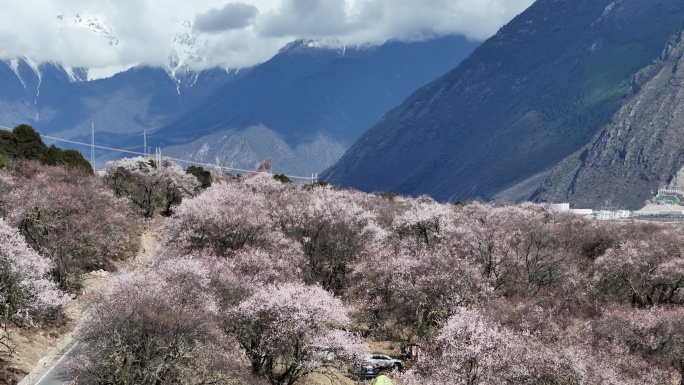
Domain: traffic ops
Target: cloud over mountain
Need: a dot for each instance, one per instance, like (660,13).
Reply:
(379,20)
(231,16)
(237,34)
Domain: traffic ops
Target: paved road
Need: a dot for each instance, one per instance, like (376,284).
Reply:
(54,375)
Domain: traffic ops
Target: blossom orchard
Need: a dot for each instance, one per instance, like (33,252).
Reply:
(72,218)
(494,294)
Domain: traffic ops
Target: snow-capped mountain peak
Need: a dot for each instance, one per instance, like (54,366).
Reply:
(30,73)
(186,52)
(313,45)
(93,23)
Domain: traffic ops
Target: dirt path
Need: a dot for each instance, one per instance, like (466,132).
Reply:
(38,352)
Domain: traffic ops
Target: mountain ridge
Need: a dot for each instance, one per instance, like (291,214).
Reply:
(309,91)
(526,98)
(344,94)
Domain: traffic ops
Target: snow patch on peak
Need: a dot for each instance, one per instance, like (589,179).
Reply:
(14,65)
(186,48)
(300,46)
(93,23)
(75,75)
(35,67)
(325,43)
(187,52)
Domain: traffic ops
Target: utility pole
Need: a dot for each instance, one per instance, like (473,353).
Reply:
(92,144)
(145,142)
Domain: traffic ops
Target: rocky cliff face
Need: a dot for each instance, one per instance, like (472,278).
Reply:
(639,151)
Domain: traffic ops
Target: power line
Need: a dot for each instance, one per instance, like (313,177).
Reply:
(92,143)
(234,169)
(96,146)
(311,178)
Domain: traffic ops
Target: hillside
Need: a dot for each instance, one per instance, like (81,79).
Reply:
(309,96)
(640,150)
(306,90)
(528,97)
(308,104)
(62,102)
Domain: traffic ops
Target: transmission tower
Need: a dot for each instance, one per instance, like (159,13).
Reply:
(92,144)
(145,142)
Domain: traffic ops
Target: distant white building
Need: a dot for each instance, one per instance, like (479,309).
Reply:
(610,215)
(666,192)
(601,215)
(565,207)
(561,206)
(623,213)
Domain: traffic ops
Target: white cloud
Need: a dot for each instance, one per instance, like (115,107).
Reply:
(235,34)
(231,16)
(308,18)
(358,21)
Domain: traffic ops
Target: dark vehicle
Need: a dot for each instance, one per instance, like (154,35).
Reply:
(367,373)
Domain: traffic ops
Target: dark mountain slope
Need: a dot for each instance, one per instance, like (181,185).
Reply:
(24,83)
(304,91)
(16,105)
(307,95)
(639,151)
(128,102)
(261,81)
(60,101)
(12,88)
(525,99)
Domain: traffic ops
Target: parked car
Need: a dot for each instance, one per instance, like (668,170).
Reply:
(381,361)
(367,373)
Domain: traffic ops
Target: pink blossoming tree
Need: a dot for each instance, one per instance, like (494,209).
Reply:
(70,217)
(156,325)
(27,295)
(149,186)
(289,331)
